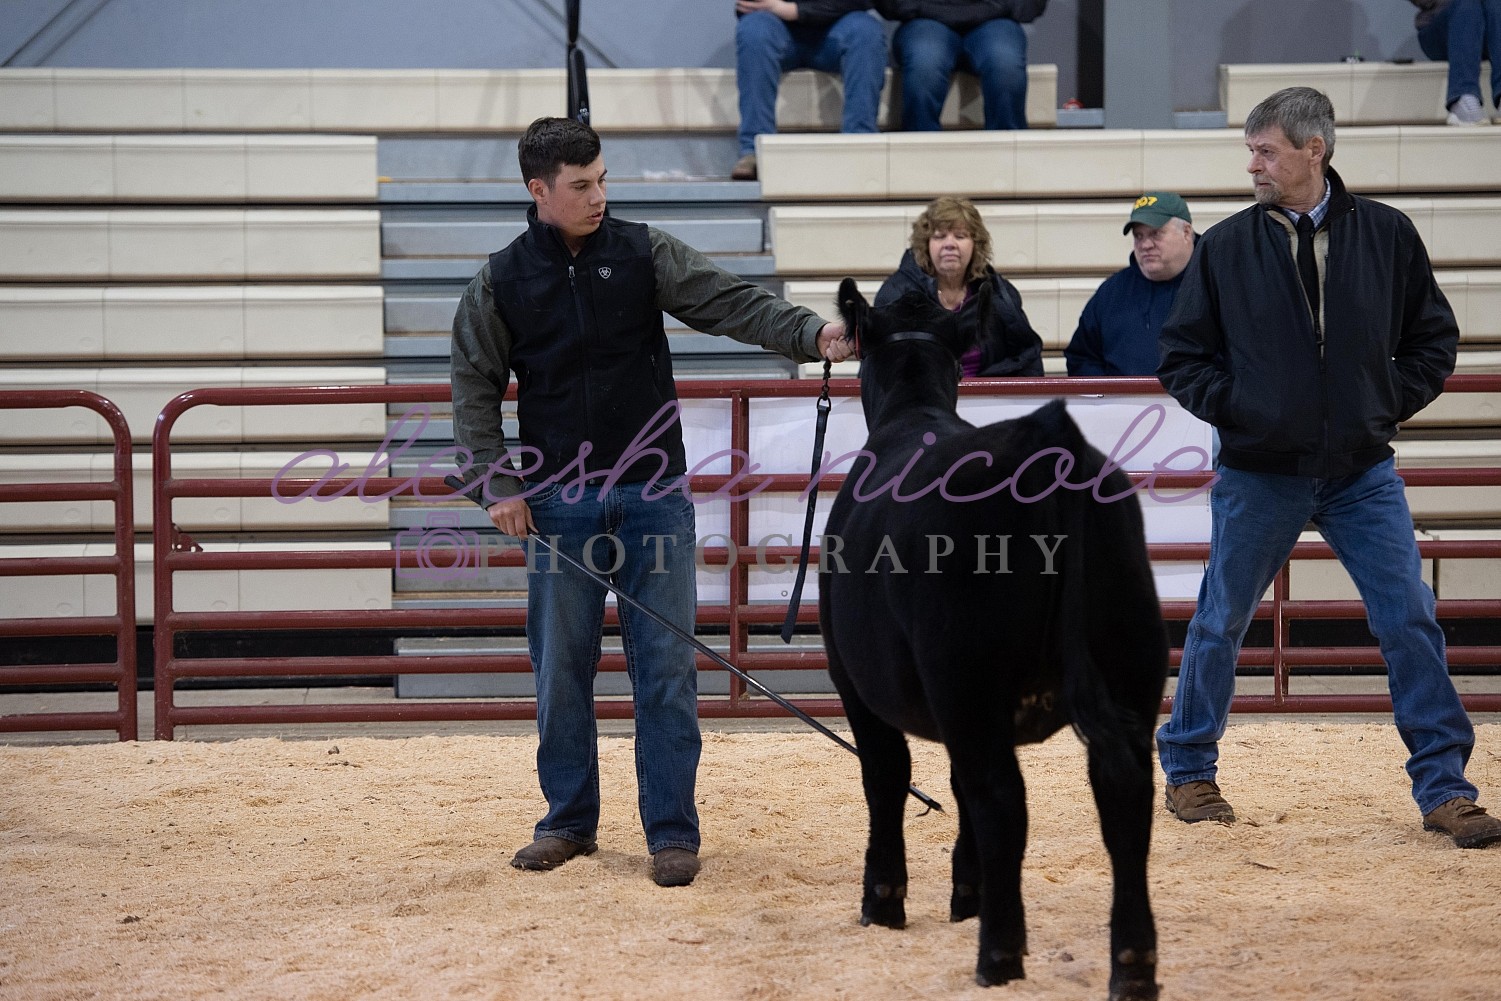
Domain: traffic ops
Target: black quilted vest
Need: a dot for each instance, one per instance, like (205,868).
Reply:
(588,350)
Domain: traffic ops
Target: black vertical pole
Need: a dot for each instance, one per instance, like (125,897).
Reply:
(578,82)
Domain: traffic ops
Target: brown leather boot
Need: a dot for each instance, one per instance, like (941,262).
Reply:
(1468,824)
(1192,802)
(549,853)
(674,867)
(744,169)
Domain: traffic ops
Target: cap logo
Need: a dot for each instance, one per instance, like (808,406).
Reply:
(1144,201)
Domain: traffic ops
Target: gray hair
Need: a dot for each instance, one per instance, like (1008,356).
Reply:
(1301,113)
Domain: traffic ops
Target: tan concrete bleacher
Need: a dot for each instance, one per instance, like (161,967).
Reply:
(188,244)
(176,322)
(837,239)
(187,168)
(1098,163)
(1364,93)
(424,100)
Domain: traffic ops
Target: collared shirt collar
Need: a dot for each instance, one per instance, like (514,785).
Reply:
(1317,213)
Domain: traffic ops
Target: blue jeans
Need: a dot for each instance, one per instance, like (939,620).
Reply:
(766,47)
(646,548)
(1463,33)
(1255,520)
(927,53)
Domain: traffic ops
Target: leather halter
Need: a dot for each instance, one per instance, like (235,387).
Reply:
(900,335)
(907,335)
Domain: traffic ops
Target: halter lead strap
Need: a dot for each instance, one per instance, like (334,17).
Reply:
(793,603)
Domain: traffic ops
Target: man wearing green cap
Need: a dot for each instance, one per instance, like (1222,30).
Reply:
(1117,332)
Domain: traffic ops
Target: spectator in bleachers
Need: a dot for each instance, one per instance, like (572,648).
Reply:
(1463,32)
(573,307)
(948,260)
(985,37)
(775,36)
(1117,332)
(1307,329)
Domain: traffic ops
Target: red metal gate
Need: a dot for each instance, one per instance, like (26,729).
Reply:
(122,624)
(174,552)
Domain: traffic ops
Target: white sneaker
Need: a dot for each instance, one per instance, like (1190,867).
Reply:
(1466,111)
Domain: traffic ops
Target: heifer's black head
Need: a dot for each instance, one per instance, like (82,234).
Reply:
(913,317)
(912,346)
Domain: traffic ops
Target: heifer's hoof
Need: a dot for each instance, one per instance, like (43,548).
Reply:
(999,967)
(885,905)
(1134,977)
(964,902)
(1134,990)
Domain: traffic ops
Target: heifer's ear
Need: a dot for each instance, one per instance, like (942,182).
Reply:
(852,306)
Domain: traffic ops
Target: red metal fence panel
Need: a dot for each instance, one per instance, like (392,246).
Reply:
(175,552)
(122,624)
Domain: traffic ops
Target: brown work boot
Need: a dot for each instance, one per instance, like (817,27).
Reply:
(549,853)
(1469,825)
(1192,802)
(744,169)
(674,867)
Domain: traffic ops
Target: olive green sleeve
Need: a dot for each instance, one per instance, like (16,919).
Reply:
(711,300)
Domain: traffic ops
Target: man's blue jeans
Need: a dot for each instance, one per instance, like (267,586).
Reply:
(766,47)
(1463,33)
(928,52)
(1255,520)
(646,547)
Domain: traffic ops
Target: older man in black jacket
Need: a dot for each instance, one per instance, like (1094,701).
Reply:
(1306,329)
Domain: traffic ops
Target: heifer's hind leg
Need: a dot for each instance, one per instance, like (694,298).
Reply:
(885,772)
(964,900)
(1124,799)
(990,785)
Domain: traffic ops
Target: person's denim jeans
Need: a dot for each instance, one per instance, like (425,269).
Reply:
(645,547)
(766,47)
(927,53)
(1463,33)
(1256,518)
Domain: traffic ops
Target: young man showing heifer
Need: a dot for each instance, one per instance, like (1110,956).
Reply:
(1307,328)
(574,308)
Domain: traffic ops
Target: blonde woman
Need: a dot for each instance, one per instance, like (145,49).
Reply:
(948,261)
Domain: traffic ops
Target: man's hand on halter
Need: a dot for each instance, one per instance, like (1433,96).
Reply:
(833,345)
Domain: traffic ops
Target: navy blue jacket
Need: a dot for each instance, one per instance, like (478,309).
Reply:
(1117,332)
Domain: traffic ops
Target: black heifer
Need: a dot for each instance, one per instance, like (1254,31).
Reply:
(969,598)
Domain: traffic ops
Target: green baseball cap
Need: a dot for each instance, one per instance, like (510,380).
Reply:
(1155,208)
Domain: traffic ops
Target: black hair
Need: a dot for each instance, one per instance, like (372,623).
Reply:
(551,143)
